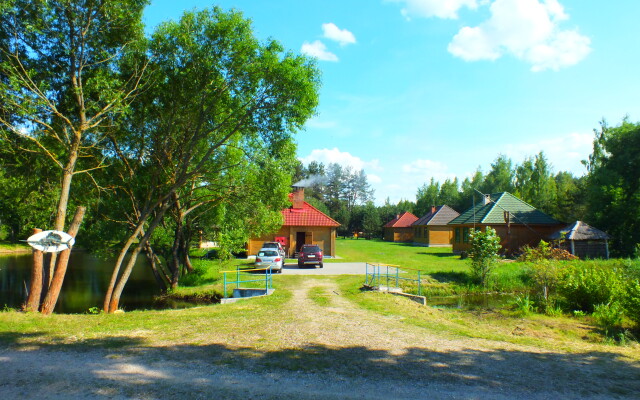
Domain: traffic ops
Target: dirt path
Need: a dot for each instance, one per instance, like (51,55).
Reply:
(331,350)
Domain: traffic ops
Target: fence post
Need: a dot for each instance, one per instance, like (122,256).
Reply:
(366,273)
(397,272)
(237,277)
(419,288)
(224,277)
(387,278)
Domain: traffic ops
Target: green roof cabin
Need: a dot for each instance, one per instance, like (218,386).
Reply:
(516,222)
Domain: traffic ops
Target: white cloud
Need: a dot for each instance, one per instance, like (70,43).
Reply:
(342,36)
(423,170)
(435,8)
(527,29)
(345,159)
(564,152)
(318,50)
(372,178)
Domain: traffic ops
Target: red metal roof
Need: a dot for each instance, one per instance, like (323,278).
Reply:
(405,220)
(308,215)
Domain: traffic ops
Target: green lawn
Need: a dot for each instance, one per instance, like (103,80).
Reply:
(447,273)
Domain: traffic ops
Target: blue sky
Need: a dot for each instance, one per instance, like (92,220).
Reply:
(415,89)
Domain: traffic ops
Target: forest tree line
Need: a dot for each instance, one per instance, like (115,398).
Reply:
(607,196)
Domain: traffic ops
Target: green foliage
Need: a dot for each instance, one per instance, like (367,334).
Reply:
(544,251)
(614,189)
(524,305)
(485,246)
(586,285)
(501,176)
(630,300)
(608,317)
(544,276)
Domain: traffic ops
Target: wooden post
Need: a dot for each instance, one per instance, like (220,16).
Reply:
(35,286)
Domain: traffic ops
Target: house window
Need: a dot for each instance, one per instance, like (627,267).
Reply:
(457,235)
(465,235)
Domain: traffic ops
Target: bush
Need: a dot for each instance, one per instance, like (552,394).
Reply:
(544,251)
(584,286)
(608,317)
(630,300)
(484,253)
(544,276)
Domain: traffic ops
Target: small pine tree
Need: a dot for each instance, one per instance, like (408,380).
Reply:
(484,253)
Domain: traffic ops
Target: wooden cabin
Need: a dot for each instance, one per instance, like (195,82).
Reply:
(303,224)
(433,229)
(399,229)
(516,222)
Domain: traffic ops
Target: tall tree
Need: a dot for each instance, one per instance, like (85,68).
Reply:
(61,91)
(427,196)
(220,100)
(614,184)
(500,177)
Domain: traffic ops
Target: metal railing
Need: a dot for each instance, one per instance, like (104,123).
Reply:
(250,274)
(389,274)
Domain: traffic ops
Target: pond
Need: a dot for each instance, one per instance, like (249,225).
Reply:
(84,286)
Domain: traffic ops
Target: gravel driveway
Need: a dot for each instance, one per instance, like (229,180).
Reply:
(356,268)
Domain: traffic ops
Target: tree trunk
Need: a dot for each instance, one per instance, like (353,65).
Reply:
(153,263)
(112,299)
(51,298)
(35,287)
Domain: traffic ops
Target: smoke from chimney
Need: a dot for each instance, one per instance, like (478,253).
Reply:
(313,180)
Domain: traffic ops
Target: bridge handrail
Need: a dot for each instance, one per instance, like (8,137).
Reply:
(268,278)
(377,276)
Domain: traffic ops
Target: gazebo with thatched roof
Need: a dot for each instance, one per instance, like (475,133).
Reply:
(583,240)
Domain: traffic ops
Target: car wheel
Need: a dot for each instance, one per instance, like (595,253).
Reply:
(321,265)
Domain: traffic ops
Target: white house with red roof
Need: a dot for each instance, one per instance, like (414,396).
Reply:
(303,224)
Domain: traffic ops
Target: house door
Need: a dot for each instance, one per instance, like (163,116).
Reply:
(300,238)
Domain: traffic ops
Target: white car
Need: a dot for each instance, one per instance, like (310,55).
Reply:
(274,246)
(270,257)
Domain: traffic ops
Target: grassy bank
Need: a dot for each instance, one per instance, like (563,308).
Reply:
(6,247)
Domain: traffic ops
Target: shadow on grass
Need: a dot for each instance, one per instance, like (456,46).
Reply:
(443,255)
(319,371)
(461,278)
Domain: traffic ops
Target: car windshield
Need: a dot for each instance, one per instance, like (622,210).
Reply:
(311,249)
(268,253)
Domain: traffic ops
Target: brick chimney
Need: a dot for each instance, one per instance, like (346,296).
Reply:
(433,209)
(298,197)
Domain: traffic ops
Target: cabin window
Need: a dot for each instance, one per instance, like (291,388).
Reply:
(465,235)
(457,235)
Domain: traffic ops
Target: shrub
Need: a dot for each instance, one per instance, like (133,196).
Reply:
(544,251)
(484,253)
(630,300)
(584,286)
(544,276)
(608,317)
(524,305)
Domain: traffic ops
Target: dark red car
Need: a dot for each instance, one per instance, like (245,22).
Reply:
(310,254)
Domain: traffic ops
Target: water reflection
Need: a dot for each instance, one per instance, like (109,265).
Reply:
(84,286)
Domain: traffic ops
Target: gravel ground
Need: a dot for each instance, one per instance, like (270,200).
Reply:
(335,351)
(355,268)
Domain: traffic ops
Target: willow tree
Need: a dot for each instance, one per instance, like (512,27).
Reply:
(222,104)
(60,87)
